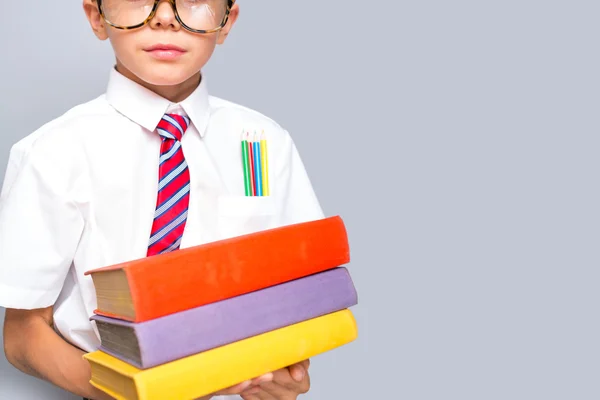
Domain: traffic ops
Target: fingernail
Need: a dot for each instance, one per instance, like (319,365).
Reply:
(252,390)
(246,385)
(264,379)
(267,377)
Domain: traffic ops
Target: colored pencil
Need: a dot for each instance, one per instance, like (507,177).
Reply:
(257,167)
(246,165)
(251,170)
(265,164)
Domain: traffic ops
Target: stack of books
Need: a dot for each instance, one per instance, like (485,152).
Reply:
(186,324)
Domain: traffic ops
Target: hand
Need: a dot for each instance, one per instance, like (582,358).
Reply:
(286,384)
(240,387)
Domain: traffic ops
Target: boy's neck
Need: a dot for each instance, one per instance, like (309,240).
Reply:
(174,94)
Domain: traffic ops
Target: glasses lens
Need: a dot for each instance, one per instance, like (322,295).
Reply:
(202,14)
(127,13)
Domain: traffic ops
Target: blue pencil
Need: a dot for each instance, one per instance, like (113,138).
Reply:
(258,167)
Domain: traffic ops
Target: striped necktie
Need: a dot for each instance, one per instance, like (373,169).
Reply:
(173,187)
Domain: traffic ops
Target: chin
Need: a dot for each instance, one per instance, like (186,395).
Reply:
(165,75)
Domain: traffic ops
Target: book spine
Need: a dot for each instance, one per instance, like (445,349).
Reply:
(180,335)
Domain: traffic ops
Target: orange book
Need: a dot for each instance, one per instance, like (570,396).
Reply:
(160,285)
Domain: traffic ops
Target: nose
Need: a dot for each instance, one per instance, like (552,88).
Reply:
(165,16)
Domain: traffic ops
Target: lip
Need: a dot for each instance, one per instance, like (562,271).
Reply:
(165,51)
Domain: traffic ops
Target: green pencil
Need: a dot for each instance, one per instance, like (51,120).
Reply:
(246,162)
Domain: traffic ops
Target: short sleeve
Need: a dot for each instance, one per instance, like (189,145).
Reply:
(12,169)
(300,202)
(40,228)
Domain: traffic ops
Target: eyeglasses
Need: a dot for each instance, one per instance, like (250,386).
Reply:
(198,16)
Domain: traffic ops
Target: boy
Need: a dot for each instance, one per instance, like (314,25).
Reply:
(151,166)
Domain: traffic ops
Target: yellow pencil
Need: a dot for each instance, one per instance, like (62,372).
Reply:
(265,164)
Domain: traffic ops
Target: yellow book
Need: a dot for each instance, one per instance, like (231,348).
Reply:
(207,372)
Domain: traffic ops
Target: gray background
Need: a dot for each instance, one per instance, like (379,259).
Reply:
(458,139)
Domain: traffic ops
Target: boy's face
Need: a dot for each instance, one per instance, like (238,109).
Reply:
(162,52)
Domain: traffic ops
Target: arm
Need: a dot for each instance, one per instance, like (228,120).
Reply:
(32,346)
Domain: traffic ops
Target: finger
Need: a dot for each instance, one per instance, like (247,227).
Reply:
(256,382)
(262,379)
(264,395)
(304,363)
(284,377)
(261,395)
(276,390)
(239,388)
(298,372)
(251,390)
(299,369)
(286,391)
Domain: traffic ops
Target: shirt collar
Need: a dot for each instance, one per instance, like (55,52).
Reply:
(146,108)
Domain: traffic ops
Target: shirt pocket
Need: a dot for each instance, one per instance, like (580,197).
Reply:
(240,215)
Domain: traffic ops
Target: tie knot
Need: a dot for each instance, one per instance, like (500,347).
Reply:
(173,126)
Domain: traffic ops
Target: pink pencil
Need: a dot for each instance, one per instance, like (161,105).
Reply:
(251,158)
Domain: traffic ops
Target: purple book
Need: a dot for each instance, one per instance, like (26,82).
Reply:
(162,340)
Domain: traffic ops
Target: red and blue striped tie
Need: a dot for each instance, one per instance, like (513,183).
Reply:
(173,187)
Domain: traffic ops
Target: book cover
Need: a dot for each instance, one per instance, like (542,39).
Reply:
(205,373)
(153,287)
(148,344)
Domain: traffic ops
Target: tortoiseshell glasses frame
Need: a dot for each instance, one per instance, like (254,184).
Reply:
(230,4)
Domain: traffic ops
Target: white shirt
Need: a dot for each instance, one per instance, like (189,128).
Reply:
(80,193)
